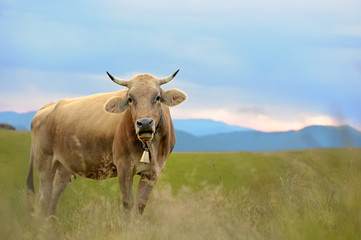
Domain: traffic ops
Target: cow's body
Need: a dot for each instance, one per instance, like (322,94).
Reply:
(80,137)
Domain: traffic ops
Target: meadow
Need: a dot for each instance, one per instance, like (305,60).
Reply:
(304,194)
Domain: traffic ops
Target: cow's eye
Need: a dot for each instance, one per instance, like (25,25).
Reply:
(158,99)
(130,100)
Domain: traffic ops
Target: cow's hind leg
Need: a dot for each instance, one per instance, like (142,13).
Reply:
(46,178)
(61,180)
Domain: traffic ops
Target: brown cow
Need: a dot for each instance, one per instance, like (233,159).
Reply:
(102,136)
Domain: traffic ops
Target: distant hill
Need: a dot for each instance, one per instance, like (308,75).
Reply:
(306,138)
(21,121)
(203,127)
(6,126)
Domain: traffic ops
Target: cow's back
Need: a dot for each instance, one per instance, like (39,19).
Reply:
(78,132)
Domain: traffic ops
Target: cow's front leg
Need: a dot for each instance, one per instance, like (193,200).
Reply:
(125,177)
(145,187)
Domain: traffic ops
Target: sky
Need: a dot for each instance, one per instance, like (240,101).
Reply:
(271,65)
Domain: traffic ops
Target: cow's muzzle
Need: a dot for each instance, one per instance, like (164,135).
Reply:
(145,129)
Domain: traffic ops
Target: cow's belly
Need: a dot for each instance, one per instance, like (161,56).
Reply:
(91,159)
(99,166)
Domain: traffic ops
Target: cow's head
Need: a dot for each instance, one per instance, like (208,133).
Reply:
(144,99)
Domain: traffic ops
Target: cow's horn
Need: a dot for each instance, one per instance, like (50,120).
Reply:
(118,81)
(167,79)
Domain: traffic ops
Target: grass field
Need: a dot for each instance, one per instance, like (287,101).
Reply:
(309,194)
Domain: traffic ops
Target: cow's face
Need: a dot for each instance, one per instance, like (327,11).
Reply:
(144,99)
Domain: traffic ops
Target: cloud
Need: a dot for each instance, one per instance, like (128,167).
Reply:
(28,89)
(27,80)
(350,30)
(254,111)
(260,121)
(27,102)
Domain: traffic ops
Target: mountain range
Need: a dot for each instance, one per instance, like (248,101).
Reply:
(204,135)
(306,138)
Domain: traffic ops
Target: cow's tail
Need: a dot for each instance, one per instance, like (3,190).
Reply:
(30,190)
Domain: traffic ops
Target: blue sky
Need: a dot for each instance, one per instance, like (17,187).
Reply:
(269,64)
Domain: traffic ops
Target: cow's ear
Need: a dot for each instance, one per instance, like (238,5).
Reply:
(116,105)
(173,97)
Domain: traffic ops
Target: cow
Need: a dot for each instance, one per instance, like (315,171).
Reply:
(118,134)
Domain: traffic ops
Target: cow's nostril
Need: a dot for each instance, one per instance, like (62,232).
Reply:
(145,123)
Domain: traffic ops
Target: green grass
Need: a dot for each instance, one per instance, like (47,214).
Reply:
(308,194)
